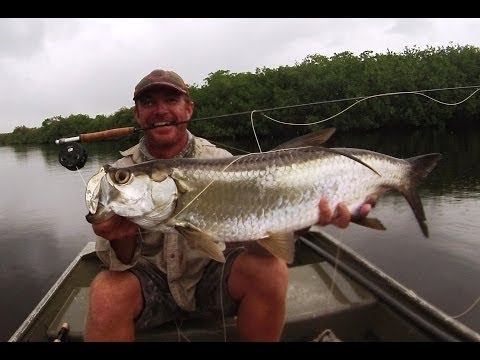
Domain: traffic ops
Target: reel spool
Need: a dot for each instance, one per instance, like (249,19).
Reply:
(72,156)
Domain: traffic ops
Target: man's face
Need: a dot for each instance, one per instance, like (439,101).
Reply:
(163,105)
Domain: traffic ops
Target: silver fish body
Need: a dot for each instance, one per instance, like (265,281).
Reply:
(258,196)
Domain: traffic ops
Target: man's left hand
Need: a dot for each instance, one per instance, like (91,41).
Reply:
(341,216)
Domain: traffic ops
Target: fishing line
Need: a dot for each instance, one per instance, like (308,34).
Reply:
(334,101)
(81,177)
(221,303)
(337,256)
(230,147)
(468,309)
(76,154)
(180,333)
(210,183)
(239,157)
(358,100)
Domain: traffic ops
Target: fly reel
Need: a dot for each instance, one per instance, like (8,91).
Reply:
(72,156)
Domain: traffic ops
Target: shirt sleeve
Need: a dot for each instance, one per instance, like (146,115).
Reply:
(108,256)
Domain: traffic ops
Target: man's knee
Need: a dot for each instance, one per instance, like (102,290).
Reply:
(274,276)
(265,275)
(113,291)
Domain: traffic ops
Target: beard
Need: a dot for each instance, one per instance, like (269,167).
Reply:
(166,136)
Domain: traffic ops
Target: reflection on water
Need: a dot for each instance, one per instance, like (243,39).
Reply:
(43,225)
(42,218)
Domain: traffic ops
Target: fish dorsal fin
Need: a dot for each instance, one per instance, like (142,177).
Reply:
(202,240)
(313,139)
(316,139)
(350,156)
(281,245)
(372,223)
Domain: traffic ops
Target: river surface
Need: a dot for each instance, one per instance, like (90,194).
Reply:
(43,227)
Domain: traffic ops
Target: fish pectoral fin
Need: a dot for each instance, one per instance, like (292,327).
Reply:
(181,181)
(301,232)
(203,241)
(372,223)
(281,245)
(182,186)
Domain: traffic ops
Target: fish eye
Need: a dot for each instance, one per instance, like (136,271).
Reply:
(122,176)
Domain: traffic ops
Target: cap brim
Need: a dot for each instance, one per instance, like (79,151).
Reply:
(155,85)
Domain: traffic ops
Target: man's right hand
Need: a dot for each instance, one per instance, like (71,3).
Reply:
(116,228)
(122,234)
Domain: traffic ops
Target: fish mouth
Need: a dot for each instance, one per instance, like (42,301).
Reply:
(97,212)
(101,215)
(93,190)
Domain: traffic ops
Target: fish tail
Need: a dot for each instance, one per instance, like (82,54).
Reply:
(421,166)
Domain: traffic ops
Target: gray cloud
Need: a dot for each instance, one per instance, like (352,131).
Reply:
(51,67)
(21,38)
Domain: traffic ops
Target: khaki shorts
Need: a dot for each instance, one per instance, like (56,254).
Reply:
(160,306)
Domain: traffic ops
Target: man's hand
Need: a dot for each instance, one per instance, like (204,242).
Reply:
(341,216)
(122,234)
(116,228)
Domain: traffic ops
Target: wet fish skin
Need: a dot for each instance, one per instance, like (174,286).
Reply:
(261,197)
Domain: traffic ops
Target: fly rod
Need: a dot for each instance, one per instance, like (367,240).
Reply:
(111,133)
(73,156)
(99,135)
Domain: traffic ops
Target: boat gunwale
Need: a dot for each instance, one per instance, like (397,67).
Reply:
(364,272)
(88,249)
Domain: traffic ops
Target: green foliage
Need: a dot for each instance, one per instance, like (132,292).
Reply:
(59,127)
(313,90)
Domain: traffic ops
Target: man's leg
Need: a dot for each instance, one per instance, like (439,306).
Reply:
(259,283)
(115,301)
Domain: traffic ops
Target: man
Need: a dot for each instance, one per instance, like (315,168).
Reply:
(155,277)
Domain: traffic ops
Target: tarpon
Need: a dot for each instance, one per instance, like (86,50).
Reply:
(263,197)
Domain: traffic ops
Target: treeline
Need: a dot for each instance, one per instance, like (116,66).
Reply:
(327,81)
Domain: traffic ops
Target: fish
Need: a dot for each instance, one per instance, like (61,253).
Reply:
(265,197)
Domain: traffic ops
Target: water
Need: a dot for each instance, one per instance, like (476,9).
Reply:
(42,218)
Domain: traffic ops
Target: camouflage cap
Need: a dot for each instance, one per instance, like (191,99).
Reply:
(160,78)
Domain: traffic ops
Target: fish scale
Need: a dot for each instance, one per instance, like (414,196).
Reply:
(275,192)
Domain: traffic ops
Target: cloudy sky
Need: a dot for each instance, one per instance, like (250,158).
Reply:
(51,67)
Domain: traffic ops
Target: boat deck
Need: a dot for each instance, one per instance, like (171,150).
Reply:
(332,291)
(314,298)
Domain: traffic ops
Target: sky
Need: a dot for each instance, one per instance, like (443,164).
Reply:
(59,67)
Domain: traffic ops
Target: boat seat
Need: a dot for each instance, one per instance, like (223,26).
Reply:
(310,295)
